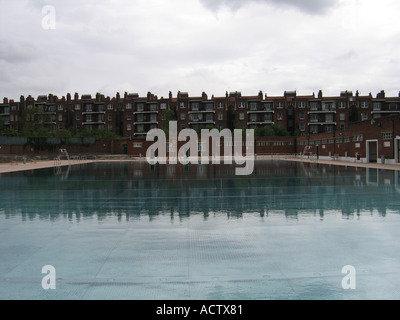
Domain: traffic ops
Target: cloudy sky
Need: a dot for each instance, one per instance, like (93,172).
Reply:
(215,46)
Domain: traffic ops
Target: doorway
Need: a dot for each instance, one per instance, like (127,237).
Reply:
(372,151)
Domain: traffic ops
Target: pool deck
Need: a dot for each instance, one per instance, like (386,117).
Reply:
(19,166)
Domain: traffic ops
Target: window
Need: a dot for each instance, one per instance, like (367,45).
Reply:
(183,126)
(77,107)
(268,118)
(302,115)
(140,128)
(221,105)
(393,106)
(110,107)
(313,106)
(89,118)
(210,106)
(163,106)
(302,127)
(342,105)
(329,118)
(280,116)
(329,129)
(195,106)
(342,117)
(314,118)
(129,127)
(210,117)
(182,105)
(314,128)
(60,117)
(12,118)
(89,108)
(377,106)
(129,106)
(358,138)
(137,145)
(253,118)
(60,127)
(279,105)
(183,116)
(328,106)
(220,117)
(301,105)
(78,117)
(242,105)
(364,104)
(387,136)
(110,127)
(268,106)
(346,139)
(153,107)
(129,117)
(153,118)
(13,108)
(253,106)
(110,117)
(364,116)
(140,118)
(60,108)
(241,116)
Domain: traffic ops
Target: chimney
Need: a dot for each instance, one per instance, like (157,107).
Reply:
(76,97)
(204,96)
(170,95)
(320,95)
(68,97)
(260,95)
(5,100)
(118,96)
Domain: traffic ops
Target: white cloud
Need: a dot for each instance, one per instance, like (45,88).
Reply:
(160,46)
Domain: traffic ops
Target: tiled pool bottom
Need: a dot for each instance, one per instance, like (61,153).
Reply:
(124,252)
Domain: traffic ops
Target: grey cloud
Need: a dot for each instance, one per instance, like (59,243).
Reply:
(308,6)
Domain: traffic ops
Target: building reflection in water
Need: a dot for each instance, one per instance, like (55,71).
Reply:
(130,190)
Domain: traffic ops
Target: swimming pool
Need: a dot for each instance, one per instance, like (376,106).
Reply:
(128,230)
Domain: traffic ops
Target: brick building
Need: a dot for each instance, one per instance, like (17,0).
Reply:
(343,122)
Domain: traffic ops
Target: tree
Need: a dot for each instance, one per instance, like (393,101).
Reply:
(168,115)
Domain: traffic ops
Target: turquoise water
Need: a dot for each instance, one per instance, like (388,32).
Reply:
(133,231)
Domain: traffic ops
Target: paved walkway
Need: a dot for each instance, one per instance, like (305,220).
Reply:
(20,166)
(348,163)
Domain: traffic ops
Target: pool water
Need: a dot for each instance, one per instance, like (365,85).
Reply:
(128,230)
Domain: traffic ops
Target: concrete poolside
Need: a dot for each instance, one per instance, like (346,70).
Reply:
(44,164)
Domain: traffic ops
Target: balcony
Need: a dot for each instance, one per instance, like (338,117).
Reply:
(5,112)
(265,122)
(261,111)
(201,122)
(323,111)
(88,122)
(322,123)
